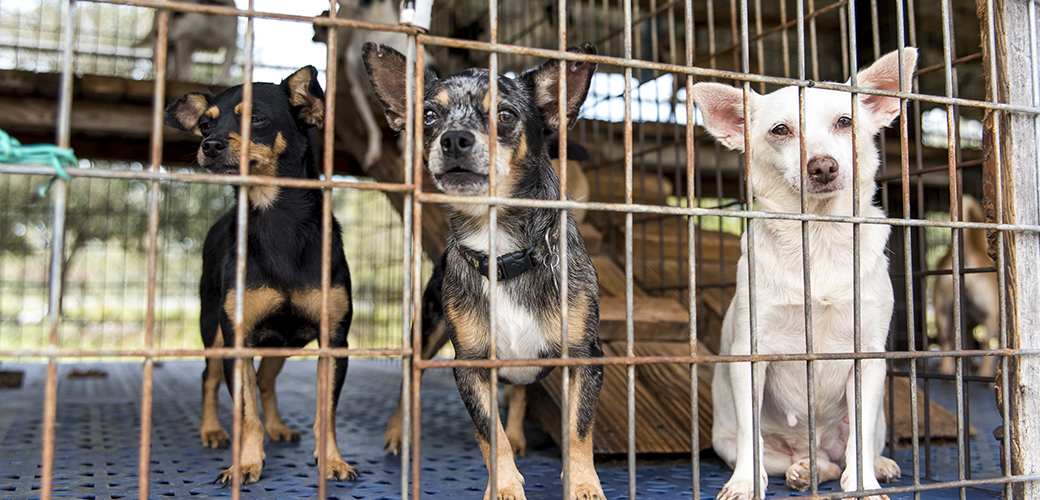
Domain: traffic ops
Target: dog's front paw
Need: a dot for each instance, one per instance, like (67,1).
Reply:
(588,492)
(338,470)
(739,489)
(507,491)
(886,470)
(215,438)
(848,483)
(282,432)
(250,474)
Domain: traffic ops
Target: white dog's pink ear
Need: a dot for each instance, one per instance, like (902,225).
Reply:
(722,107)
(884,75)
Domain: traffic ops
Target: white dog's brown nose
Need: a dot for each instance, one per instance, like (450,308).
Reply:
(822,169)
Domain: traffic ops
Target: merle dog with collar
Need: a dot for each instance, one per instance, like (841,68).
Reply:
(283,296)
(528,315)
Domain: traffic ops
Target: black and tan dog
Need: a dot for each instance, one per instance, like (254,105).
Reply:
(528,316)
(283,297)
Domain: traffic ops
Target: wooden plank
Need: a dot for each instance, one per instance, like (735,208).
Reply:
(611,278)
(662,399)
(667,238)
(648,188)
(592,237)
(661,319)
(943,421)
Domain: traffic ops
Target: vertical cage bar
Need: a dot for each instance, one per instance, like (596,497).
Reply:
(810,367)
(415,176)
(691,233)
(629,287)
(58,193)
(241,235)
(158,98)
(411,334)
(565,379)
(493,443)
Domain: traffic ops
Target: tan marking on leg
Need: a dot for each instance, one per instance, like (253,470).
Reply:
(471,330)
(584,483)
(270,367)
(510,482)
(252,452)
(578,311)
(308,302)
(212,433)
(335,467)
(516,401)
(214,112)
(256,305)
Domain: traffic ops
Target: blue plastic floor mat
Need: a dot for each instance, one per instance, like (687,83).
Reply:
(98,435)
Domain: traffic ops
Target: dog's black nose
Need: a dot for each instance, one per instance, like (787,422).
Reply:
(823,169)
(213,147)
(457,143)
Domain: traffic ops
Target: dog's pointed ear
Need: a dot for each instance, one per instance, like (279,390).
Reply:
(306,96)
(388,71)
(184,113)
(722,107)
(546,81)
(884,75)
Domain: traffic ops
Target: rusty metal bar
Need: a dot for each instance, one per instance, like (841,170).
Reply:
(59,195)
(743,214)
(630,374)
(148,376)
(252,13)
(202,178)
(413,147)
(496,419)
(691,278)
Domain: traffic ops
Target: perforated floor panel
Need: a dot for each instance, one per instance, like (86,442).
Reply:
(98,431)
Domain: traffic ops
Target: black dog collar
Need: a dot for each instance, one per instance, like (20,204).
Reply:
(514,264)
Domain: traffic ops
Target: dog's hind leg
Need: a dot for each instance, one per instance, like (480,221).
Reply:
(585,384)
(474,387)
(335,466)
(269,369)
(516,401)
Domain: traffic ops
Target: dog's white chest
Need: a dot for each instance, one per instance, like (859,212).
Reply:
(519,336)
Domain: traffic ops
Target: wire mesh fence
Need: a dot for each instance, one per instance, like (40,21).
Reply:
(108,265)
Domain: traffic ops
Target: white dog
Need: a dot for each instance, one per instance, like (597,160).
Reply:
(775,172)
(191,32)
(349,44)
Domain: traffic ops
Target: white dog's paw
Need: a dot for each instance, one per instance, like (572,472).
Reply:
(885,469)
(741,488)
(848,483)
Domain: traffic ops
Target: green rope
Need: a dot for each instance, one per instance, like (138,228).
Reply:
(12,151)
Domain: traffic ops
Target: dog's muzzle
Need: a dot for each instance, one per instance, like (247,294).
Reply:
(460,171)
(214,156)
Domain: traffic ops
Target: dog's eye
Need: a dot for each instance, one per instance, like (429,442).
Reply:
(506,117)
(844,122)
(259,119)
(205,128)
(430,117)
(780,130)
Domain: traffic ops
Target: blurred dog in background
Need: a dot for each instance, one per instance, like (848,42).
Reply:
(191,32)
